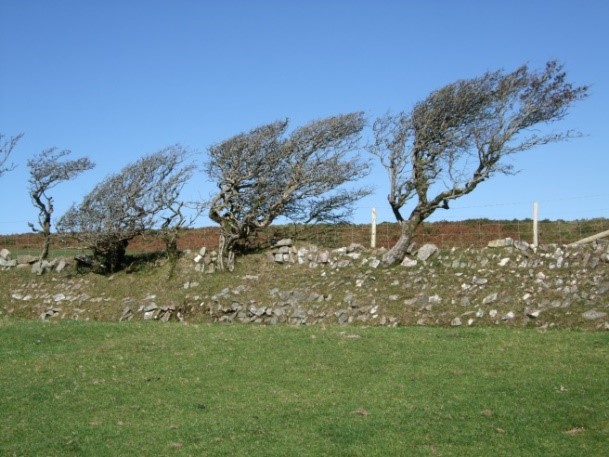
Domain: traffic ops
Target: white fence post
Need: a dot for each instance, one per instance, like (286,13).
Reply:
(373,230)
(535,225)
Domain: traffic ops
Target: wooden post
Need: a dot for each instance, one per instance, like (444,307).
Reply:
(535,225)
(373,230)
(589,239)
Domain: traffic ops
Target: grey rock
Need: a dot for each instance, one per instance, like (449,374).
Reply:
(426,251)
(456,322)
(278,312)
(434,300)
(355,247)
(302,255)
(521,245)
(26,259)
(408,262)
(150,307)
(127,315)
(502,243)
(374,263)
(323,257)
(5,254)
(594,262)
(283,242)
(594,314)
(492,298)
(509,316)
(7,263)
(37,268)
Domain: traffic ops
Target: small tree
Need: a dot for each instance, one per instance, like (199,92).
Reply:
(262,175)
(6,148)
(460,135)
(128,204)
(46,171)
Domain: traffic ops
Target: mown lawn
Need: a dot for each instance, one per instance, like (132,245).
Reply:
(95,389)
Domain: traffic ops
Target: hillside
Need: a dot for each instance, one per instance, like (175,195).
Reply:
(513,285)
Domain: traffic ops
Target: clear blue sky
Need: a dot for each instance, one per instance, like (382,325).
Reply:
(116,79)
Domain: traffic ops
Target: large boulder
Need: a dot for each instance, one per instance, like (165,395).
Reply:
(4,263)
(426,251)
(501,243)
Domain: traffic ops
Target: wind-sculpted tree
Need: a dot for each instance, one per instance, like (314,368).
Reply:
(6,148)
(264,174)
(135,200)
(47,170)
(460,135)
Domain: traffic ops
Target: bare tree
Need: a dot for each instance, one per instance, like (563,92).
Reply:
(461,134)
(263,174)
(47,170)
(6,148)
(128,204)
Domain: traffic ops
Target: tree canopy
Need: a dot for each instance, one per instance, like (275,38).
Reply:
(47,170)
(127,204)
(461,134)
(265,173)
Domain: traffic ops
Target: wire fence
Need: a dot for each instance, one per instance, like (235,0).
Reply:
(474,233)
(464,234)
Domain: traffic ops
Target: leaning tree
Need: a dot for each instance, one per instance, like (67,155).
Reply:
(47,170)
(265,173)
(141,197)
(461,134)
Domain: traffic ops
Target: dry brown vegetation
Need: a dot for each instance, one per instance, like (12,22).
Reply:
(469,233)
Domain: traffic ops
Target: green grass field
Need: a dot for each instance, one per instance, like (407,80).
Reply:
(97,389)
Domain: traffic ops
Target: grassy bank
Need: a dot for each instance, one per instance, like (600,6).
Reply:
(75,388)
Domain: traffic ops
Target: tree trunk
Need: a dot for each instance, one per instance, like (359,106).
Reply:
(171,246)
(226,248)
(111,256)
(46,233)
(397,253)
(45,246)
